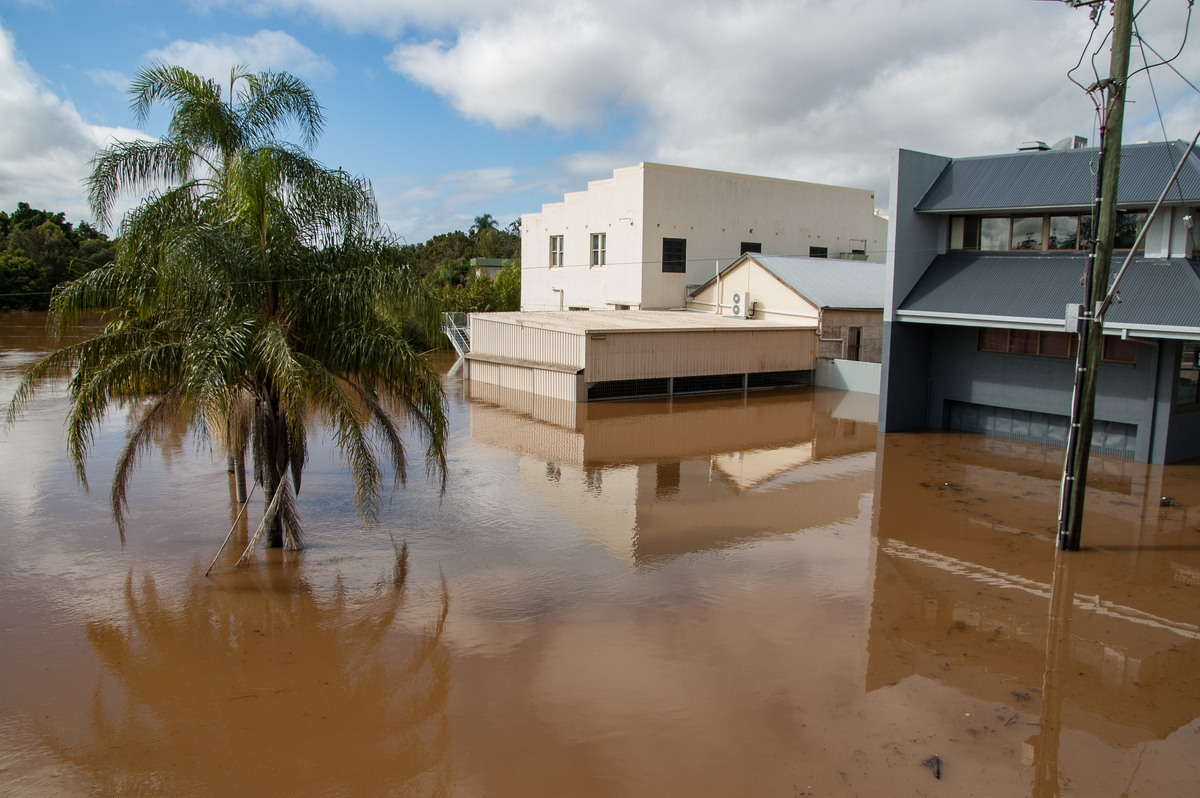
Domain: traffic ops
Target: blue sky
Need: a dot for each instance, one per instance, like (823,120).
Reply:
(454,108)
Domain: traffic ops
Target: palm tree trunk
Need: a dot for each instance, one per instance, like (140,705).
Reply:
(276,470)
(239,477)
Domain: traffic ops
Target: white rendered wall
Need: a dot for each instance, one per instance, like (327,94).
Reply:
(714,211)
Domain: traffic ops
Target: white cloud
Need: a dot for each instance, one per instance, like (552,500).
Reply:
(265,50)
(807,89)
(45,146)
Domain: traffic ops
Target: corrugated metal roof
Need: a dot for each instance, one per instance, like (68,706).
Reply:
(1061,179)
(1154,292)
(830,283)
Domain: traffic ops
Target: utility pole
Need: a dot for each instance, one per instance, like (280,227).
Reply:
(1090,324)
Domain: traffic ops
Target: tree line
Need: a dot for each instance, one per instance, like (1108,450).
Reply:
(39,250)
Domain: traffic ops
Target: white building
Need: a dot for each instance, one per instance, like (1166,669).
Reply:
(637,240)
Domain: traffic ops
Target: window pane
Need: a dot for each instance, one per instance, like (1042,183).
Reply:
(556,250)
(1189,376)
(1064,232)
(956,232)
(994,233)
(1027,232)
(751,246)
(1023,342)
(1128,225)
(1118,351)
(674,255)
(1056,344)
(993,340)
(598,246)
(818,252)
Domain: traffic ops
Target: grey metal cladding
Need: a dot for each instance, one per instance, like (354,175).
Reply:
(1154,292)
(1060,179)
(830,283)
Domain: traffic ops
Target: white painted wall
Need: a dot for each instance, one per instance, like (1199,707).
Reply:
(714,211)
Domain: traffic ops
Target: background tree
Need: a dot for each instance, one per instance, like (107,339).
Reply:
(57,250)
(250,276)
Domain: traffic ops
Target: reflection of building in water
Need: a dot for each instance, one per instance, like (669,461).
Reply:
(964,577)
(662,477)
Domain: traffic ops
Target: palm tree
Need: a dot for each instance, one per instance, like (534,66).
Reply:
(252,288)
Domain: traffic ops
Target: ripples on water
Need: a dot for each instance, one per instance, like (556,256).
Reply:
(718,596)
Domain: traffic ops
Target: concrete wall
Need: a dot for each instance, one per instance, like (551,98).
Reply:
(714,211)
(612,206)
(848,375)
(961,373)
(913,241)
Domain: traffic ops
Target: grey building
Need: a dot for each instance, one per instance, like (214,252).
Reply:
(987,253)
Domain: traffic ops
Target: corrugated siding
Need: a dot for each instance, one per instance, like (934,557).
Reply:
(554,384)
(503,428)
(532,344)
(645,355)
(560,412)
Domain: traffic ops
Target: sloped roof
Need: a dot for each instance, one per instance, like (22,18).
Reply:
(1061,179)
(829,283)
(1157,294)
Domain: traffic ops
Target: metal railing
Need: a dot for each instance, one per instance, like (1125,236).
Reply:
(454,325)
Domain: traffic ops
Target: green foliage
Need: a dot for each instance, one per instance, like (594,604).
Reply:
(23,283)
(251,288)
(58,250)
(507,287)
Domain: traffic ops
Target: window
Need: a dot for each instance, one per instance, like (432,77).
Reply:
(674,255)
(1064,232)
(1038,233)
(853,342)
(750,246)
(1117,350)
(1027,232)
(1028,342)
(818,252)
(599,245)
(1187,391)
(556,251)
(994,233)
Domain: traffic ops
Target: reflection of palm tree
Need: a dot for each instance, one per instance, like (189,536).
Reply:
(257,685)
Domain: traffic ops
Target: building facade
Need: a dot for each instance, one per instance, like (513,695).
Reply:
(637,240)
(986,258)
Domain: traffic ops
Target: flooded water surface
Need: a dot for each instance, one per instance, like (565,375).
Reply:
(713,597)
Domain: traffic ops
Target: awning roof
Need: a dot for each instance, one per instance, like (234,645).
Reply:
(1160,297)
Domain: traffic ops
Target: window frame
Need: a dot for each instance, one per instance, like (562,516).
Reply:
(556,252)
(599,247)
(676,262)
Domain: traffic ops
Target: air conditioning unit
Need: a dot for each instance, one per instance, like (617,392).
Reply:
(742,309)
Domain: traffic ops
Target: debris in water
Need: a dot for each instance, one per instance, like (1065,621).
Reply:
(1166,501)
(934,763)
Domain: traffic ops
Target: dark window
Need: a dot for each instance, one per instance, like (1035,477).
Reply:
(750,246)
(1187,391)
(853,342)
(1028,342)
(674,259)
(1117,350)
(818,252)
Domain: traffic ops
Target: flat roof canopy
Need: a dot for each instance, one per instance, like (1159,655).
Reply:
(584,322)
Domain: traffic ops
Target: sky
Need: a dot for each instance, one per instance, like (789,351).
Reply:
(456,108)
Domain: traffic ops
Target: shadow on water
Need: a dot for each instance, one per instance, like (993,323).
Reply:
(256,683)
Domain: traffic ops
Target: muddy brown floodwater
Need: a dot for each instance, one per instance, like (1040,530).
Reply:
(711,597)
